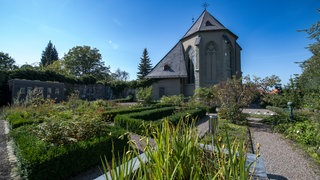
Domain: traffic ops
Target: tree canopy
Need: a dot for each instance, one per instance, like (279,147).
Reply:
(6,62)
(84,60)
(49,55)
(145,65)
(309,81)
(120,75)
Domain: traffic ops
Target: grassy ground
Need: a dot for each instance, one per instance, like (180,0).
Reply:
(235,133)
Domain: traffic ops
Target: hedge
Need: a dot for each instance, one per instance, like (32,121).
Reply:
(154,114)
(110,115)
(141,126)
(138,126)
(187,115)
(40,160)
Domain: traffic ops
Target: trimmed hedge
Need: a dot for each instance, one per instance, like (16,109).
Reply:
(110,115)
(153,114)
(141,126)
(187,115)
(138,126)
(40,160)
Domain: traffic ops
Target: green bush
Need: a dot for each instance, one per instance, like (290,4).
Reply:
(153,114)
(176,100)
(137,126)
(304,132)
(109,116)
(133,124)
(21,118)
(136,122)
(187,115)
(144,94)
(41,160)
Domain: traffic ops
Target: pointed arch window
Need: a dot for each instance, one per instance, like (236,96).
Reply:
(210,68)
(190,66)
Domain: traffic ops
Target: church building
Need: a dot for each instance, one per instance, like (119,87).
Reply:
(206,55)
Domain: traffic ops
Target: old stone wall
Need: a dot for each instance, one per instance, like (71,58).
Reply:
(19,89)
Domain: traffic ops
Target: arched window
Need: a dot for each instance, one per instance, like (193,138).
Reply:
(190,65)
(210,68)
(229,64)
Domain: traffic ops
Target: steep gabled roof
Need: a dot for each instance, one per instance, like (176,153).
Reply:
(206,22)
(172,65)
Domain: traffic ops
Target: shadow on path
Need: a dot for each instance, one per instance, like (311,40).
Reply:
(276,177)
(256,125)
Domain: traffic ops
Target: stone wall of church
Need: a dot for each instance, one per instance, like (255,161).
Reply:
(216,57)
(166,87)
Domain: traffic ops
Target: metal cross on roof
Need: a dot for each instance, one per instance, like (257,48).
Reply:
(205,5)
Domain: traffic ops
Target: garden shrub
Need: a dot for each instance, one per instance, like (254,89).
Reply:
(187,115)
(41,160)
(153,114)
(133,124)
(137,126)
(176,100)
(303,128)
(109,116)
(20,118)
(144,94)
(304,132)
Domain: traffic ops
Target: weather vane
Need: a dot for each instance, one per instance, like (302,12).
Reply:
(205,5)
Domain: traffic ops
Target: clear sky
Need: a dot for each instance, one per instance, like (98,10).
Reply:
(121,29)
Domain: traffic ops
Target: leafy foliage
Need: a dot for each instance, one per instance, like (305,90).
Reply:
(6,62)
(176,100)
(84,60)
(145,65)
(232,96)
(303,128)
(309,81)
(144,94)
(51,137)
(179,155)
(120,75)
(41,160)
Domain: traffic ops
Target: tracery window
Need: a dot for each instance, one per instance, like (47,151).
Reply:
(210,67)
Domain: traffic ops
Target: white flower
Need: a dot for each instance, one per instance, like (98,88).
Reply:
(298,131)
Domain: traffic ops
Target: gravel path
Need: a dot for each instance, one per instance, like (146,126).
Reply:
(5,168)
(282,159)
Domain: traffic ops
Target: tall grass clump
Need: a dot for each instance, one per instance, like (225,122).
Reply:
(178,154)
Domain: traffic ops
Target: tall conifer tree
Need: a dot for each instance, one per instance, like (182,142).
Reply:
(49,55)
(145,65)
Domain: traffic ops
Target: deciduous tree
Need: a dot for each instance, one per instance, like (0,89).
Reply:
(84,60)
(309,80)
(6,62)
(233,96)
(120,75)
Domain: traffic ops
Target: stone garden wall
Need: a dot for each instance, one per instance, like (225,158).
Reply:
(19,89)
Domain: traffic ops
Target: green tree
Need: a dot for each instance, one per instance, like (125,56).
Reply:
(84,60)
(120,75)
(49,55)
(309,81)
(144,94)
(58,67)
(145,65)
(6,62)
(233,96)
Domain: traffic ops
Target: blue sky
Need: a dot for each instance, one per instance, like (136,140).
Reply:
(121,29)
